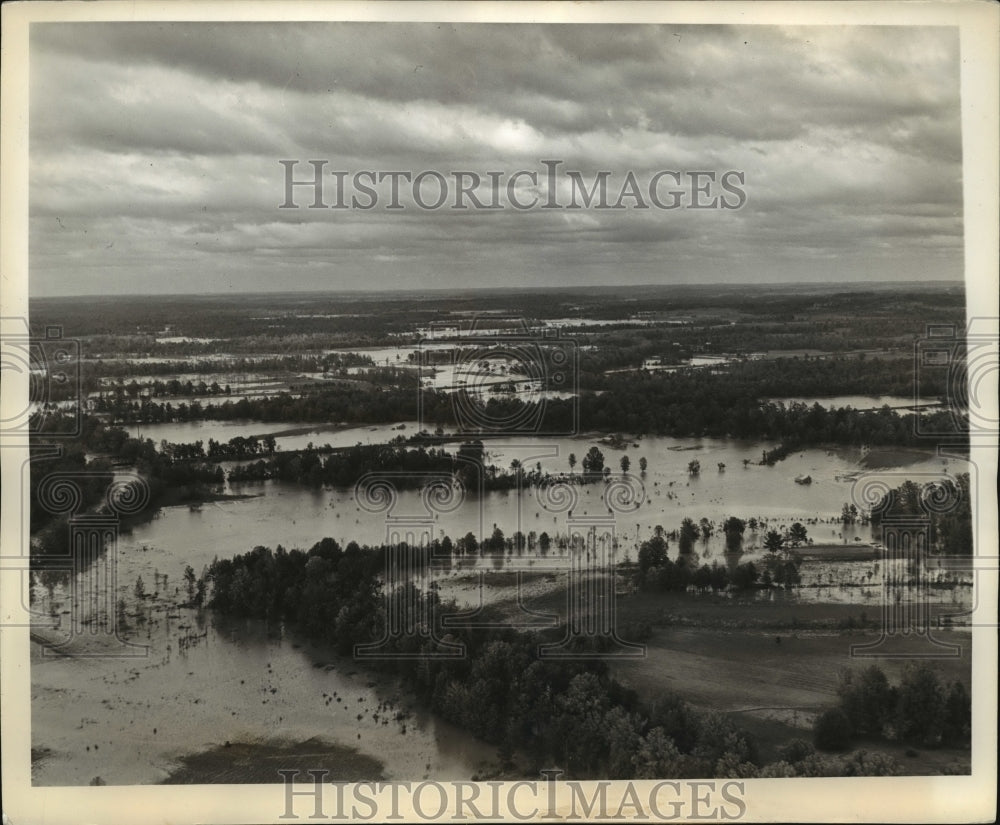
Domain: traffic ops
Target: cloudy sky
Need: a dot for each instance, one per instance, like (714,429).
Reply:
(155,148)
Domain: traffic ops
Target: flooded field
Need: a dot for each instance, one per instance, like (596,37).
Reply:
(275,512)
(257,686)
(393,356)
(257,695)
(237,682)
(287,435)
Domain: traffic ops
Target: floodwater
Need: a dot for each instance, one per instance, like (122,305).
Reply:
(197,680)
(200,358)
(208,679)
(295,516)
(237,380)
(297,436)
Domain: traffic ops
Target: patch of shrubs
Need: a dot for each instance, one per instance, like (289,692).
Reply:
(921,710)
(833,731)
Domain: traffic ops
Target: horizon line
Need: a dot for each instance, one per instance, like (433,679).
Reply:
(840,286)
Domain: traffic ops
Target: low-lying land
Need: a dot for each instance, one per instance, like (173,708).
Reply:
(743,654)
(259,762)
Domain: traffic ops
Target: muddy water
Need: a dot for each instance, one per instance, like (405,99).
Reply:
(668,493)
(203,680)
(296,516)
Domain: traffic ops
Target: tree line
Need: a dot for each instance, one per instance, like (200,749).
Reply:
(920,710)
(949,522)
(411,467)
(656,571)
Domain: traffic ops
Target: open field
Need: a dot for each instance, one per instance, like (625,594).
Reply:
(839,552)
(772,665)
(775,689)
(780,612)
(754,672)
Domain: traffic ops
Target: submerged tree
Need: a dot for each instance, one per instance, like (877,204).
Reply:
(774,541)
(797,534)
(734,528)
(593,462)
(688,536)
(190,579)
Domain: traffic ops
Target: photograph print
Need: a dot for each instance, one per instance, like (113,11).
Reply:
(417,404)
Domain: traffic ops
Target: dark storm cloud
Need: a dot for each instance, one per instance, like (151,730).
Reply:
(154,149)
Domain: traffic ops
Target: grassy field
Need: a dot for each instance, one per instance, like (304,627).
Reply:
(787,675)
(775,689)
(839,552)
(253,763)
(772,665)
(709,610)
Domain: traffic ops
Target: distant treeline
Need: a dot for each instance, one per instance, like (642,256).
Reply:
(835,362)
(827,376)
(409,467)
(697,403)
(96,374)
(837,317)
(689,403)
